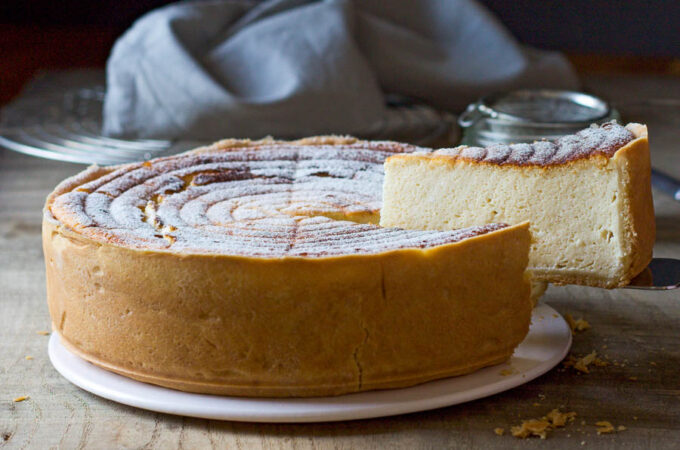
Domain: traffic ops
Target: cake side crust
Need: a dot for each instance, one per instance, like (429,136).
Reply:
(214,329)
(634,165)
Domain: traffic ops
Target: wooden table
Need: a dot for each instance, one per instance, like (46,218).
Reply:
(636,331)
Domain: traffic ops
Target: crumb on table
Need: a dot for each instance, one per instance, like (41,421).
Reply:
(540,427)
(604,427)
(576,324)
(581,364)
(21,399)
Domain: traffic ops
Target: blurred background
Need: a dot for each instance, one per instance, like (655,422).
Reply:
(598,36)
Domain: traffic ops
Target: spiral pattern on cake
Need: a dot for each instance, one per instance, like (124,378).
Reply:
(311,198)
(603,140)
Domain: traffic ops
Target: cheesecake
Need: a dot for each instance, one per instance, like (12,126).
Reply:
(258,269)
(587,197)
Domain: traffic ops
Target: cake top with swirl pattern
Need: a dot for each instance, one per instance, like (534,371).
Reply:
(317,197)
(603,140)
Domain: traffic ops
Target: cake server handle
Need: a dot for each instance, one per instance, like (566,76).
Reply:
(661,274)
(666,183)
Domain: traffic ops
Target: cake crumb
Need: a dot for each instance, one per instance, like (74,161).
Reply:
(499,431)
(581,364)
(621,428)
(28,357)
(633,378)
(652,363)
(583,442)
(43,333)
(576,325)
(536,404)
(560,419)
(604,427)
(540,427)
(533,427)
(21,399)
(506,372)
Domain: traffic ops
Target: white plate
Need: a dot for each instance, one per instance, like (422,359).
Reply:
(547,343)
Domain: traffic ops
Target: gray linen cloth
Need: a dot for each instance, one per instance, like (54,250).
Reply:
(205,70)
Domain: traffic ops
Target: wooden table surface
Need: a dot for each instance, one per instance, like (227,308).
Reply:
(636,331)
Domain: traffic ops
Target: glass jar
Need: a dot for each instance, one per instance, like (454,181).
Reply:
(529,115)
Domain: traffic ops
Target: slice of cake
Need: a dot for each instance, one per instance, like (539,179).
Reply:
(588,198)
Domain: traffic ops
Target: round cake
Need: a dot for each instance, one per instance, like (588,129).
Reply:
(256,269)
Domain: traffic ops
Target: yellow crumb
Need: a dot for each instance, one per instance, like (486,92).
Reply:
(28,357)
(578,324)
(621,428)
(43,333)
(633,378)
(537,404)
(499,431)
(21,399)
(560,419)
(506,372)
(581,364)
(652,363)
(540,427)
(604,427)
(533,427)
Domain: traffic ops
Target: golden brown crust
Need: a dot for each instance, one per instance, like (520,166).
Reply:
(433,158)
(635,166)
(229,144)
(254,327)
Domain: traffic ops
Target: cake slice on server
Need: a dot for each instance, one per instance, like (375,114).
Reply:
(587,196)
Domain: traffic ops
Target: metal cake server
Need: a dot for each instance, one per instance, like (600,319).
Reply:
(661,274)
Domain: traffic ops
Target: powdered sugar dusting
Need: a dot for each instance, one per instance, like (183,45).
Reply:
(266,201)
(604,140)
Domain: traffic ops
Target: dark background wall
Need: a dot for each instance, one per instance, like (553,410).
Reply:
(598,35)
(633,27)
